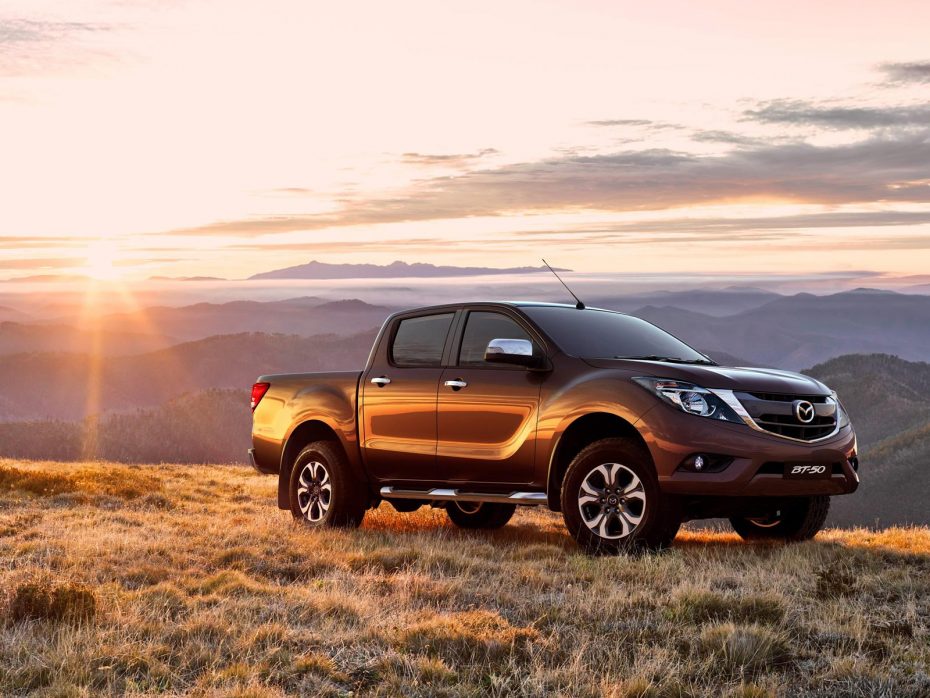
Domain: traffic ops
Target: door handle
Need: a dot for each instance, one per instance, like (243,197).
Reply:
(457,384)
(381,381)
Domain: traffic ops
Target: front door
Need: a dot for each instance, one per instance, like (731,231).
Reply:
(399,400)
(487,412)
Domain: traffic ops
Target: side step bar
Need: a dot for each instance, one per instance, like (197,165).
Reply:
(447,495)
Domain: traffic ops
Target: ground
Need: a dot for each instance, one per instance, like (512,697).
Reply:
(174,580)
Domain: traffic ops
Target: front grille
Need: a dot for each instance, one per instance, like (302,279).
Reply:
(774,413)
(778,397)
(789,426)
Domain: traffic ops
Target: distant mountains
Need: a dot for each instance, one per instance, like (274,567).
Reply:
(305,316)
(72,386)
(322,270)
(802,330)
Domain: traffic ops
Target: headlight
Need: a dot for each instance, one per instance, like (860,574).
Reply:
(690,398)
(842,419)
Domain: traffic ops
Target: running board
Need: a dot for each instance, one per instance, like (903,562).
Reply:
(447,495)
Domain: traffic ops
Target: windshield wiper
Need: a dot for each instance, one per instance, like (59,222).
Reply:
(669,359)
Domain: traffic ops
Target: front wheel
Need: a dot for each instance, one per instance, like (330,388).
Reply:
(612,503)
(796,520)
(322,490)
(480,514)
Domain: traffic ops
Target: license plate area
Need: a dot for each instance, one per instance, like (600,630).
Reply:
(808,471)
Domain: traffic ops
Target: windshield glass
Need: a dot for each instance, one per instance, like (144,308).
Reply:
(601,334)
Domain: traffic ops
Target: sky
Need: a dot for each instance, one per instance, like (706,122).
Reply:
(145,138)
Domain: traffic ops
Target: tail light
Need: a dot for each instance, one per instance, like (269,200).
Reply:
(258,392)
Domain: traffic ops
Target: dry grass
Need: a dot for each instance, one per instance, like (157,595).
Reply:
(176,580)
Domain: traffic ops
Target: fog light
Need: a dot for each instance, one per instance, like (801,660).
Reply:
(705,463)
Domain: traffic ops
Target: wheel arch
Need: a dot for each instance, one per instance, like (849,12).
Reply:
(305,433)
(582,431)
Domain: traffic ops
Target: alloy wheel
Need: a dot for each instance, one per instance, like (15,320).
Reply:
(612,501)
(314,491)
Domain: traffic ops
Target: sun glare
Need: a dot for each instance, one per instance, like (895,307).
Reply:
(102,256)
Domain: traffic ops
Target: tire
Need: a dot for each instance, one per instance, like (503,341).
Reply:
(621,508)
(480,514)
(322,491)
(800,519)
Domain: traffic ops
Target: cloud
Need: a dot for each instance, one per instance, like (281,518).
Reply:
(918,71)
(727,137)
(40,263)
(18,31)
(28,242)
(621,122)
(447,160)
(801,113)
(29,46)
(883,168)
(637,123)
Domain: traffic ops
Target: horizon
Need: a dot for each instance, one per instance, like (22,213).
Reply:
(190,141)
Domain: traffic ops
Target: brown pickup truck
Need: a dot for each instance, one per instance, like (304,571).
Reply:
(628,431)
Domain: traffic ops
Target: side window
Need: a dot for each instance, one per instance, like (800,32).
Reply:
(419,340)
(480,329)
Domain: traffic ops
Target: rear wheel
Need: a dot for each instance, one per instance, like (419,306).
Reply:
(797,520)
(612,503)
(480,514)
(322,491)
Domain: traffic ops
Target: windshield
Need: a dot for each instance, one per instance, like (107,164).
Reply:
(601,334)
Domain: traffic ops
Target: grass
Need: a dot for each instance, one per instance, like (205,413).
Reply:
(176,580)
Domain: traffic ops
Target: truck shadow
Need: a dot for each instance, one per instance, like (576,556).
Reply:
(541,527)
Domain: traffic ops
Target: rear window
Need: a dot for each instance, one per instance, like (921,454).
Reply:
(601,334)
(419,340)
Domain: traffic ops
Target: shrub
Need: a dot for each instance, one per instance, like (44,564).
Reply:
(742,650)
(697,606)
(468,636)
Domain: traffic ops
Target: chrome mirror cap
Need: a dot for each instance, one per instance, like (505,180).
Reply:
(508,347)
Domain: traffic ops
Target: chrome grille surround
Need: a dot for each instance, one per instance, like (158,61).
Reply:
(760,424)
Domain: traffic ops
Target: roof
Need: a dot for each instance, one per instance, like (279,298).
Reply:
(511,304)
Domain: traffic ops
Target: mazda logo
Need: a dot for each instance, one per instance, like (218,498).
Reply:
(804,411)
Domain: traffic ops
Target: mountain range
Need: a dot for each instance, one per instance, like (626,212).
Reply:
(323,270)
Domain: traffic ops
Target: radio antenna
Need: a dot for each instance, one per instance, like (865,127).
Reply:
(578,304)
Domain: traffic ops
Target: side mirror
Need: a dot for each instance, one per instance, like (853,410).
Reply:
(518,352)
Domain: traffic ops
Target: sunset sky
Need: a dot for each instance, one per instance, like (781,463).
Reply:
(221,138)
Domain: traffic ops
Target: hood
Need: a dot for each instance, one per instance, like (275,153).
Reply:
(755,380)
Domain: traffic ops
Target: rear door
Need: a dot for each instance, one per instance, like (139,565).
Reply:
(398,398)
(488,412)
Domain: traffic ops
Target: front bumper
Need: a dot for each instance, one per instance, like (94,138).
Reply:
(673,436)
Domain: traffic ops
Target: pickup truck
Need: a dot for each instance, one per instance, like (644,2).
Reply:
(626,430)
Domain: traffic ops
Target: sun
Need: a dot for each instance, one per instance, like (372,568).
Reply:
(102,258)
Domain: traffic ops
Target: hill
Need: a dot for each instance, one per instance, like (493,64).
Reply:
(72,386)
(714,302)
(305,316)
(885,395)
(803,330)
(18,337)
(888,400)
(211,426)
(323,270)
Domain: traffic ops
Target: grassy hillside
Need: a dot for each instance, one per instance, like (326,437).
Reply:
(169,579)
